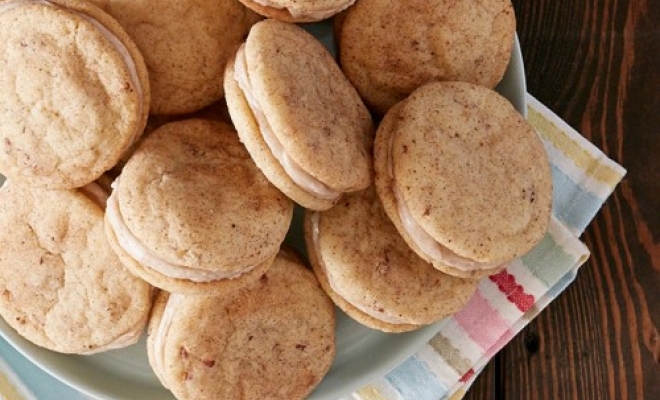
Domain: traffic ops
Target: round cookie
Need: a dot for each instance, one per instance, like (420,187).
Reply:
(185,44)
(191,212)
(274,339)
(388,48)
(301,120)
(298,10)
(463,177)
(61,286)
(80,92)
(370,272)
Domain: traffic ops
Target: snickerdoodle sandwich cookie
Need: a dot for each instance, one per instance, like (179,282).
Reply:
(273,339)
(465,179)
(301,120)
(75,92)
(191,213)
(370,272)
(61,285)
(298,10)
(186,45)
(388,48)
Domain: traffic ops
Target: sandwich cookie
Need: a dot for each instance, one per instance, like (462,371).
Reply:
(301,120)
(369,271)
(273,339)
(79,92)
(388,48)
(463,177)
(186,45)
(191,213)
(61,285)
(298,10)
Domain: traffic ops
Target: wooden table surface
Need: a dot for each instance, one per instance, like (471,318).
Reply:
(596,63)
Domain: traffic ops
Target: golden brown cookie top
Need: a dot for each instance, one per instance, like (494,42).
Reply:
(313,110)
(61,285)
(272,340)
(192,195)
(79,92)
(388,48)
(472,172)
(185,44)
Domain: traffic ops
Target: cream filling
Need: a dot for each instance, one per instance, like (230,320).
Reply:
(313,14)
(158,350)
(96,193)
(112,38)
(372,312)
(294,171)
(134,247)
(432,249)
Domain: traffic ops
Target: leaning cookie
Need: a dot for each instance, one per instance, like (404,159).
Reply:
(465,179)
(388,48)
(298,10)
(186,45)
(301,120)
(370,272)
(191,212)
(80,92)
(274,339)
(61,285)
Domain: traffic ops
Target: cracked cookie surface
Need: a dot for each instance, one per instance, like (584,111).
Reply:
(61,286)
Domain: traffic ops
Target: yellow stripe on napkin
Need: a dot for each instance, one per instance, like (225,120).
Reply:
(7,390)
(458,395)
(370,393)
(582,158)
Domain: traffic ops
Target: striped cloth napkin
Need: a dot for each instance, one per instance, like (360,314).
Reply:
(506,302)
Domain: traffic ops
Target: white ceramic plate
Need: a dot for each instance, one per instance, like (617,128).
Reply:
(363,354)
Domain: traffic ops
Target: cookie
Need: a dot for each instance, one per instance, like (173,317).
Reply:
(463,177)
(61,286)
(298,10)
(274,339)
(389,48)
(370,272)
(301,120)
(185,44)
(191,213)
(80,92)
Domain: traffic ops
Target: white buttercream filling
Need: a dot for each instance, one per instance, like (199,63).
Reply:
(370,311)
(158,349)
(306,181)
(112,38)
(314,14)
(138,251)
(425,242)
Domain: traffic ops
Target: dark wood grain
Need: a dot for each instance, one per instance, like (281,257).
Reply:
(596,63)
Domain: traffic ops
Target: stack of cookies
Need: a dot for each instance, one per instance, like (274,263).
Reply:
(155,151)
